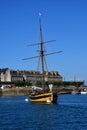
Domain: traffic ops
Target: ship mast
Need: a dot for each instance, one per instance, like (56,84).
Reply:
(42,54)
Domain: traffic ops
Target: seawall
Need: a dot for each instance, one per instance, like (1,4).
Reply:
(15,91)
(24,91)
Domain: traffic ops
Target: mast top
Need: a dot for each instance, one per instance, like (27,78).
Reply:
(40,14)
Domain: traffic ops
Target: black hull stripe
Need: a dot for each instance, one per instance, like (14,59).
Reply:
(45,96)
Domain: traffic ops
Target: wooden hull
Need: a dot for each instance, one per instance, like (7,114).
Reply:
(49,97)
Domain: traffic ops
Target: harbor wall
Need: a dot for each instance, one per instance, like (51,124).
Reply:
(24,91)
(15,91)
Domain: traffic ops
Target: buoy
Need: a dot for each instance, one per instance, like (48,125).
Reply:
(26,99)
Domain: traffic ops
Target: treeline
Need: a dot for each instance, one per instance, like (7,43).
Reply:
(38,83)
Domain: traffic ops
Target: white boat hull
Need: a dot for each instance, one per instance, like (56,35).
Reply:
(83,92)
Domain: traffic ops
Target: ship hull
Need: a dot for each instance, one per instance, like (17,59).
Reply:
(49,97)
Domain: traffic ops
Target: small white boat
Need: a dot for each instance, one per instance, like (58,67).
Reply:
(83,92)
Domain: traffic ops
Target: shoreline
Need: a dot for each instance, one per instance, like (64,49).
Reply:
(26,91)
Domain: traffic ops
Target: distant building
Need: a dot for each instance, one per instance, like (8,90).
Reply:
(5,75)
(9,75)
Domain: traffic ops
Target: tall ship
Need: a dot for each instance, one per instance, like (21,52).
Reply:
(43,95)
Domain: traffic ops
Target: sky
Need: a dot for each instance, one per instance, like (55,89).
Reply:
(62,20)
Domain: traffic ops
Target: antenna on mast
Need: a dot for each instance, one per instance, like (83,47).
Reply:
(40,14)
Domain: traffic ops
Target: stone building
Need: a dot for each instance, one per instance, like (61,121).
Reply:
(5,75)
(9,75)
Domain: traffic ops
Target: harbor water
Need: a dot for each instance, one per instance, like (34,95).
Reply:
(70,113)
